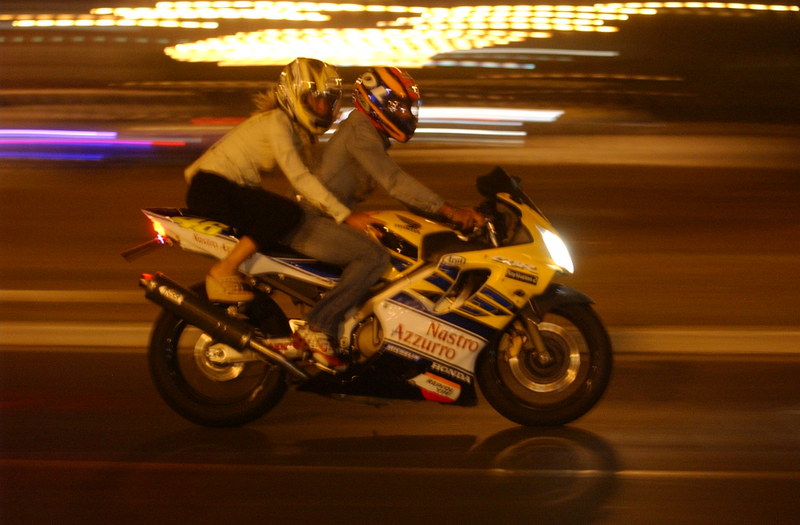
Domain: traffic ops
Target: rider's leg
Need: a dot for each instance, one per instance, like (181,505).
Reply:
(230,264)
(261,217)
(363,260)
(224,283)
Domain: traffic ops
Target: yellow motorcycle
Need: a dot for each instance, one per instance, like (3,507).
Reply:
(453,313)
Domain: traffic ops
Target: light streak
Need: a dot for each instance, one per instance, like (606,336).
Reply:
(38,155)
(411,39)
(455,114)
(57,133)
(476,132)
(76,137)
(88,142)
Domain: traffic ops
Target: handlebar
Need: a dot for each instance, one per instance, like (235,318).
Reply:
(491,231)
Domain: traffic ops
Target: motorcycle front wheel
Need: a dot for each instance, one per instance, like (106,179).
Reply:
(553,387)
(209,393)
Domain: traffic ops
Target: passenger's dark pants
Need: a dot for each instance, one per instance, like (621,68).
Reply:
(265,217)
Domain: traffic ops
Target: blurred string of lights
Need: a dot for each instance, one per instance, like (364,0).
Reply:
(64,144)
(412,37)
(74,137)
(474,124)
(451,124)
(407,36)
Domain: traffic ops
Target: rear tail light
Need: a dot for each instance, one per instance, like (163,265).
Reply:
(161,232)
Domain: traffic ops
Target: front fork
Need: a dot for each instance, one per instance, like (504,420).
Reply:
(533,314)
(529,332)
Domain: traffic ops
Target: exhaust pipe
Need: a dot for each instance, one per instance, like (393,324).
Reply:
(198,312)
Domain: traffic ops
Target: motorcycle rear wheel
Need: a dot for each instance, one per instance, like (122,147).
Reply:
(556,387)
(208,393)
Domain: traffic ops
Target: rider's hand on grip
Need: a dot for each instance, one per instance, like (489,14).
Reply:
(363,222)
(467,219)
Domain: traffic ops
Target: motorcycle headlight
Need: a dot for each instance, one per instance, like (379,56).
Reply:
(558,250)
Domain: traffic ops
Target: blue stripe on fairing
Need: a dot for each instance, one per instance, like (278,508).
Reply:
(472,311)
(439,281)
(399,264)
(454,319)
(310,266)
(450,271)
(495,296)
(484,304)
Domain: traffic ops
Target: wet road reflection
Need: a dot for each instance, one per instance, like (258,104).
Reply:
(677,439)
(557,473)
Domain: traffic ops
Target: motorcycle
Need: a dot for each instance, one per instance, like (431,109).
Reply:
(452,313)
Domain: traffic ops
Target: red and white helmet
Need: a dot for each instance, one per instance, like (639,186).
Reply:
(390,98)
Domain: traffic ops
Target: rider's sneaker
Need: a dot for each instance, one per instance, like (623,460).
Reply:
(229,289)
(321,348)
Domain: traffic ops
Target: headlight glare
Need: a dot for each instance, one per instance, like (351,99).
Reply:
(558,250)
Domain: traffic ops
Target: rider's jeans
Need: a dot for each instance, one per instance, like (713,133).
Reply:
(363,260)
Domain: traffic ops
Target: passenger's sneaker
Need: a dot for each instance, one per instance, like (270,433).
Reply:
(321,348)
(230,289)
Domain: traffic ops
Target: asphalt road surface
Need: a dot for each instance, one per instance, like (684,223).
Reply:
(670,233)
(678,440)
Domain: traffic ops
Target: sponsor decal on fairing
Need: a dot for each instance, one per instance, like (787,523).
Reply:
(209,242)
(429,336)
(522,276)
(516,264)
(407,224)
(435,388)
(453,260)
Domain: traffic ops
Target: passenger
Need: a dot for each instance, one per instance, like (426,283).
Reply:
(354,163)
(225,182)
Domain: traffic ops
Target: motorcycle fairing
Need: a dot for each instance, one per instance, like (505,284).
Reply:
(304,269)
(475,327)
(439,351)
(390,376)
(423,356)
(429,336)
(436,388)
(205,236)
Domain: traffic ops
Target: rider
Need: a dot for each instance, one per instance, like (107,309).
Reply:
(225,182)
(354,162)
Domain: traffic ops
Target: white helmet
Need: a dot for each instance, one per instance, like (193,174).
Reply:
(310,92)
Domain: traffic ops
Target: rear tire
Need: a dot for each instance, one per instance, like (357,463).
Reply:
(555,388)
(211,394)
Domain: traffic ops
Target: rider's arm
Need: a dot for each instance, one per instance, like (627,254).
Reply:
(281,137)
(367,147)
(467,218)
(369,151)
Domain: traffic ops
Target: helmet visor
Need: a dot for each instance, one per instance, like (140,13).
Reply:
(323,104)
(403,112)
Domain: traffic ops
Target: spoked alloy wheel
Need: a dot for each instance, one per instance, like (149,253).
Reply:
(552,373)
(201,388)
(554,386)
(204,351)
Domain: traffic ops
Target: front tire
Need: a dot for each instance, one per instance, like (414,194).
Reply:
(208,393)
(558,386)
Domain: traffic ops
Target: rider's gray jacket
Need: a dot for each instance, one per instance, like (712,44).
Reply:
(355,161)
(263,142)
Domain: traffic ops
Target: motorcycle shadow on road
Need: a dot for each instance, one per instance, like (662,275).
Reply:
(530,475)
